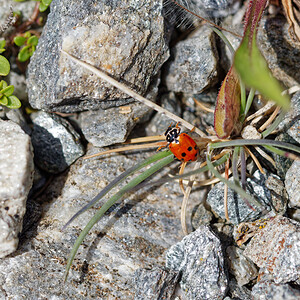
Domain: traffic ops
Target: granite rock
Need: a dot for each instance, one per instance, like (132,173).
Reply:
(200,260)
(276,248)
(193,64)
(16,177)
(126,39)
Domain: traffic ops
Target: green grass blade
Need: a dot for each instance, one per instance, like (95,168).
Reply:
(134,182)
(117,181)
(254,142)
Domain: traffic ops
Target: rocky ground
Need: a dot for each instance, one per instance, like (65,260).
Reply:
(137,250)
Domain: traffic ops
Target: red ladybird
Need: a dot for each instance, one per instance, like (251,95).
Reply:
(182,145)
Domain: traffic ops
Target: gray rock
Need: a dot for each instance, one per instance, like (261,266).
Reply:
(111,126)
(155,284)
(194,63)
(292,184)
(283,163)
(238,292)
(268,290)
(16,177)
(276,247)
(159,123)
(56,143)
(238,210)
(126,39)
(242,268)
(291,123)
(201,216)
(133,235)
(200,259)
(275,42)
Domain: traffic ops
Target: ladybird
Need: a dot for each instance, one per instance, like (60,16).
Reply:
(181,144)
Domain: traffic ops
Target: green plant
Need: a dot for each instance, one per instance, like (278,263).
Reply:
(249,69)
(6,91)
(28,43)
(44,4)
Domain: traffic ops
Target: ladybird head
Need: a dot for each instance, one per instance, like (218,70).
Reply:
(172,133)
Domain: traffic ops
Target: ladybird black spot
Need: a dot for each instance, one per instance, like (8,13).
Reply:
(183,154)
(190,148)
(196,148)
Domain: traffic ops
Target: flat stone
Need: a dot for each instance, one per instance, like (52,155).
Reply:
(276,247)
(113,125)
(200,260)
(193,64)
(125,39)
(16,177)
(56,143)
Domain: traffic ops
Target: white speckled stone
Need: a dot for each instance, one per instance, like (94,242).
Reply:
(16,175)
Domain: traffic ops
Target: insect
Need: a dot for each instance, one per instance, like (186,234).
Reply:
(181,144)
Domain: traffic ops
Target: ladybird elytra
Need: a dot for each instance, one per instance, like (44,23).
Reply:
(181,144)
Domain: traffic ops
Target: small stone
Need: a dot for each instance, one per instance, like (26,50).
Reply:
(276,247)
(242,268)
(16,177)
(194,64)
(238,210)
(266,289)
(56,144)
(111,126)
(201,216)
(292,184)
(199,258)
(155,284)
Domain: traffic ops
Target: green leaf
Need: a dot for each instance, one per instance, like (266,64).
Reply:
(4,100)
(8,91)
(2,50)
(3,84)
(27,34)
(228,105)
(2,44)
(43,7)
(33,40)
(25,53)
(19,40)
(46,2)
(13,102)
(4,66)
(251,65)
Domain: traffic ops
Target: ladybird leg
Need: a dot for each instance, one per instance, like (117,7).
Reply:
(177,124)
(193,129)
(163,145)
